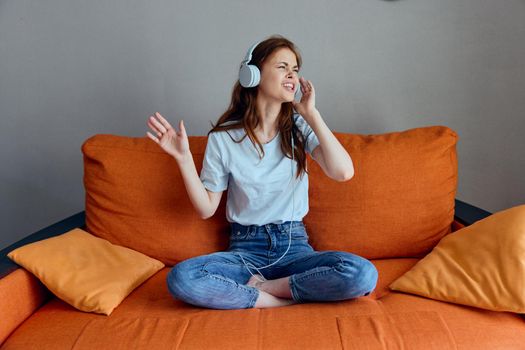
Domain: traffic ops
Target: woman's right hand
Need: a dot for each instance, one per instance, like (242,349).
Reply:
(174,143)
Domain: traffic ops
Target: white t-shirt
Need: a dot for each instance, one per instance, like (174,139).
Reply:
(259,190)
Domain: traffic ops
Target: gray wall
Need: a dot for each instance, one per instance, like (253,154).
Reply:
(71,69)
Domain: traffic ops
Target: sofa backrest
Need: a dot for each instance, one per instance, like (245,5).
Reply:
(399,203)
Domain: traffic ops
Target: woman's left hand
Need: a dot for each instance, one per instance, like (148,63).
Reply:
(307,104)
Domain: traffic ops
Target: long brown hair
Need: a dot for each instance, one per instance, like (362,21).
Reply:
(243,114)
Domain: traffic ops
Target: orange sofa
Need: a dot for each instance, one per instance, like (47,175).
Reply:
(399,204)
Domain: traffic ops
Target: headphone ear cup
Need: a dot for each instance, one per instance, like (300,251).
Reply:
(249,75)
(256,75)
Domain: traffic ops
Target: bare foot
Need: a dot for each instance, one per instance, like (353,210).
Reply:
(266,300)
(279,288)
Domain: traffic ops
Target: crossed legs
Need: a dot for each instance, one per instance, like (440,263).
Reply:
(214,281)
(320,276)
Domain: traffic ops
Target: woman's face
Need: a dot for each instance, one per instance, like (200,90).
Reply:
(279,76)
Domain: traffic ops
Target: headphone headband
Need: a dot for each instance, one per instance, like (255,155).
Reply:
(248,56)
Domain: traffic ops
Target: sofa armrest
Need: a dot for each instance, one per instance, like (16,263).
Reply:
(21,293)
(467,214)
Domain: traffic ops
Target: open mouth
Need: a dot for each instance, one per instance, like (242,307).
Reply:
(289,86)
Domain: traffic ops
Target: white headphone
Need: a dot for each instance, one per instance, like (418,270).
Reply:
(249,74)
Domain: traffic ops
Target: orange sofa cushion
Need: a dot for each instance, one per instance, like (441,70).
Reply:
(135,197)
(403,330)
(400,202)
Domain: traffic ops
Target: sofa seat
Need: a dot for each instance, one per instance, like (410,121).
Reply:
(470,327)
(150,318)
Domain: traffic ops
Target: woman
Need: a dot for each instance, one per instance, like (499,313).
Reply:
(253,151)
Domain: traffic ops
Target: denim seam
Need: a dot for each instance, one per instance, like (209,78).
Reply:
(215,262)
(220,278)
(225,281)
(255,296)
(252,291)
(320,273)
(296,235)
(317,273)
(293,290)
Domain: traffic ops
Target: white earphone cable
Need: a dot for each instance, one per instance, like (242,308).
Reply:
(289,234)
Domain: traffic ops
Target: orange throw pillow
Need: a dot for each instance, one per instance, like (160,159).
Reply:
(480,265)
(87,272)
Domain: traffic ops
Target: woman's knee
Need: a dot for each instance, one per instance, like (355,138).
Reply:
(181,279)
(361,276)
(368,277)
(190,282)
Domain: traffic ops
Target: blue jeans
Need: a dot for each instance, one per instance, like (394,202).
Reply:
(218,280)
